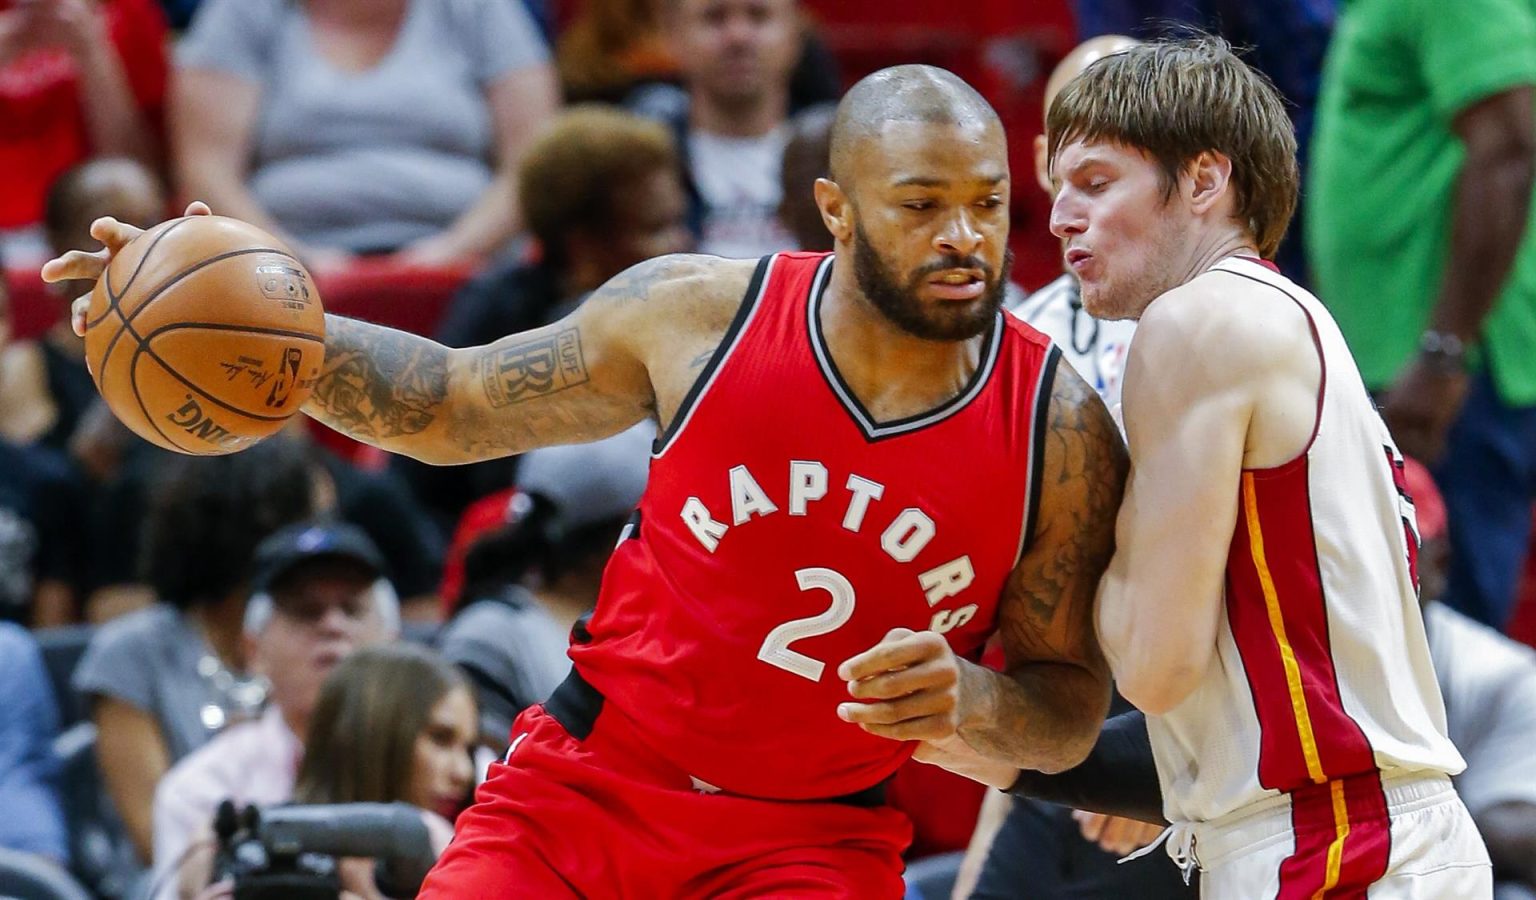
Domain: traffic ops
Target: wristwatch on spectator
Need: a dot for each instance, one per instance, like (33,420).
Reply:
(1443,351)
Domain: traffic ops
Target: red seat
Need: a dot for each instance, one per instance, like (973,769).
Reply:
(403,297)
(34,308)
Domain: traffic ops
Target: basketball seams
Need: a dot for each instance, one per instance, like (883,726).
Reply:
(226,326)
(113,298)
(170,283)
(133,383)
(144,348)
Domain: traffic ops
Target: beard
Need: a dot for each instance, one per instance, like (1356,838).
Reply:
(931,321)
(1127,294)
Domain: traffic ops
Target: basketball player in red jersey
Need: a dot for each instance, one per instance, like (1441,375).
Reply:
(863,471)
(1261,604)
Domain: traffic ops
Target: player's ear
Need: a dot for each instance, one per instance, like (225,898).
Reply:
(836,209)
(1043,165)
(1209,175)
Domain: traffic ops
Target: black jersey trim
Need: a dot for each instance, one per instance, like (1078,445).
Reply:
(631,529)
(1039,423)
(751,300)
(873,430)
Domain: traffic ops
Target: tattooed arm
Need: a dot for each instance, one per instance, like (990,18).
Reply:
(592,374)
(1044,713)
(579,379)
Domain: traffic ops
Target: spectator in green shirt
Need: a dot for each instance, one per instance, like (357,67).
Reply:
(1417,231)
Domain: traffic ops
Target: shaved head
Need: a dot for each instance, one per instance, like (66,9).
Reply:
(1072,65)
(911,93)
(918,201)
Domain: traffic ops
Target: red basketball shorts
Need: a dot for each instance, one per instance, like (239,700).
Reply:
(605,817)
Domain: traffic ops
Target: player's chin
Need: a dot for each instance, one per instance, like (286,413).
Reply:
(954,321)
(1100,303)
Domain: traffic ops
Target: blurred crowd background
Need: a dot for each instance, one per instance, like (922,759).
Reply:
(314,621)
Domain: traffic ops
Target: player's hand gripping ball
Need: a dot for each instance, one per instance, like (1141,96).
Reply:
(203,333)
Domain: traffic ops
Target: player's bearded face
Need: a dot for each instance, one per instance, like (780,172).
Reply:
(901,301)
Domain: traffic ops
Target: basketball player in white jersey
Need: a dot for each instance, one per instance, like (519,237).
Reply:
(1261,606)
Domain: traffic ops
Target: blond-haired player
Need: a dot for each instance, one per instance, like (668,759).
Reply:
(1261,606)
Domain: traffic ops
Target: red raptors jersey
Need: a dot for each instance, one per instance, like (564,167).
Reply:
(783,531)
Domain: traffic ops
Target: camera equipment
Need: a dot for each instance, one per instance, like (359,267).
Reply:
(292,852)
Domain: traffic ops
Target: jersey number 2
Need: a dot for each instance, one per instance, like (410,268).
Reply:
(775,650)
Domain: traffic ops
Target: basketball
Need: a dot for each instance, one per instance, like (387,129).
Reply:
(205,335)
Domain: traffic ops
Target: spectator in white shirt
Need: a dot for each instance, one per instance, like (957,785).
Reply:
(737,58)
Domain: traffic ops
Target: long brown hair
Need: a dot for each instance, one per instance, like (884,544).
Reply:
(362,734)
(1175,99)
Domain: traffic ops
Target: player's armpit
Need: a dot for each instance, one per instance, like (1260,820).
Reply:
(1046,711)
(579,379)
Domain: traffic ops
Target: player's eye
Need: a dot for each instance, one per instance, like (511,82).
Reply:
(992,202)
(919,205)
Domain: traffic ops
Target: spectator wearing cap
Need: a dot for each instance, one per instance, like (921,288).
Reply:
(595,488)
(527,563)
(318,594)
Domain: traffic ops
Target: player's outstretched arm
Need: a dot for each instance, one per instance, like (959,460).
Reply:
(1045,710)
(579,379)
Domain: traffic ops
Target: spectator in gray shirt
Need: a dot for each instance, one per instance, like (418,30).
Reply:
(161,681)
(362,126)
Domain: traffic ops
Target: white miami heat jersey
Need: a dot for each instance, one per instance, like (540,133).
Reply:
(1322,670)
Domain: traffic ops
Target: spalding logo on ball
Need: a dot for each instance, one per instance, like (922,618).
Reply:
(205,335)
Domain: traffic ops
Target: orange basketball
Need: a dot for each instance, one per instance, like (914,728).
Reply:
(205,335)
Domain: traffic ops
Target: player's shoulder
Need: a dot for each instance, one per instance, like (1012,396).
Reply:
(1233,324)
(679,279)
